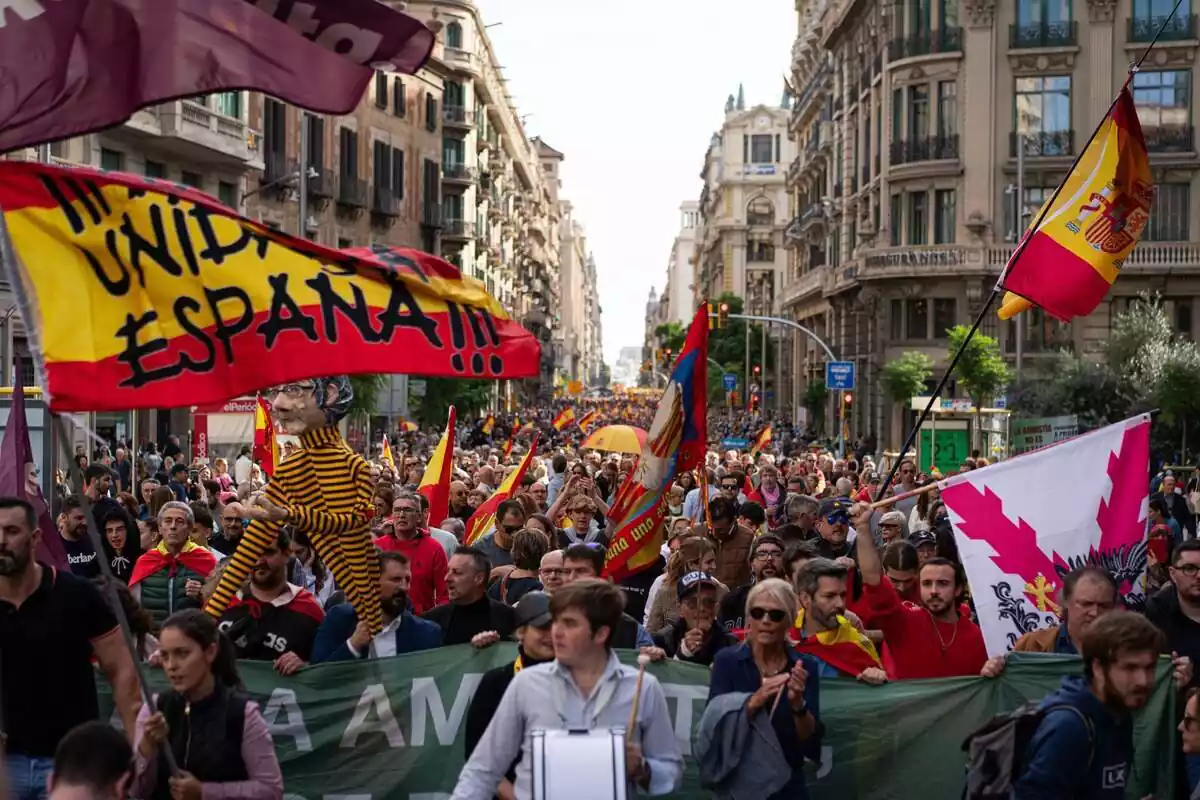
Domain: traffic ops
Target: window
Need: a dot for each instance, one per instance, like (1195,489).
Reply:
(398,105)
(398,173)
(1162,100)
(760,212)
(947,108)
(1149,16)
(944,221)
(778,151)
(1043,333)
(227,193)
(760,148)
(918,112)
(1042,112)
(348,155)
(918,218)
(897,114)
(381,92)
(453,152)
(431,111)
(454,35)
(918,17)
(343,243)
(431,182)
(59,149)
(156,169)
(316,141)
(274,128)
(192,179)
(948,13)
(452,207)
(896,320)
(896,206)
(760,253)
(945,315)
(229,104)
(1169,216)
(1041,13)
(381,165)
(917,319)
(1181,316)
(111,160)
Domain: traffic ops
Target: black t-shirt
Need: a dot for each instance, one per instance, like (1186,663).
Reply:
(81,558)
(732,616)
(47,684)
(637,588)
(263,632)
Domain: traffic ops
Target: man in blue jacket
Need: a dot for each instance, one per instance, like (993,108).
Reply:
(342,637)
(1083,747)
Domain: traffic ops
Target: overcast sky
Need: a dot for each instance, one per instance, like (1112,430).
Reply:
(631,93)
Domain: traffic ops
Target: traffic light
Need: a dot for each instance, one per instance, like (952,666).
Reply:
(848,398)
(722,315)
(712,323)
(757,369)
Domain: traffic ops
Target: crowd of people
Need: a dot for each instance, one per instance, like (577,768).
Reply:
(782,577)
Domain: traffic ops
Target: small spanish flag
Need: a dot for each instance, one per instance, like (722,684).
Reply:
(489,424)
(564,418)
(484,517)
(435,483)
(266,446)
(386,456)
(408,427)
(512,437)
(764,438)
(588,420)
(1073,256)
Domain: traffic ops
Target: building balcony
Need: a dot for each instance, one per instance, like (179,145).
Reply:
(191,132)
(1147,258)
(457,58)
(1023,36)
(1170,139)
(431,214)
(926,43)
(459,230)
(807,285)
(926,148)
(457,117)
(1175,28)
(458,174)
(352,192)
(384,202)
(323,185)
(917,261)
(812,217)
(277,169)
(1044,144)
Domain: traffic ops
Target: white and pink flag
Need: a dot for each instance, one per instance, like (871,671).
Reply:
(1022,524)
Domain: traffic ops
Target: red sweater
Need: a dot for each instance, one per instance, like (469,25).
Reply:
(427,559)
(918,645)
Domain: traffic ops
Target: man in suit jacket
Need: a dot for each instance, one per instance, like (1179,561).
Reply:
(1177,505)
(342,637)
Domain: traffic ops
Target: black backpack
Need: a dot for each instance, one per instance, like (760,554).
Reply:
(995,750)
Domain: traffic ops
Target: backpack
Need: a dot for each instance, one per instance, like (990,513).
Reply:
(995,750)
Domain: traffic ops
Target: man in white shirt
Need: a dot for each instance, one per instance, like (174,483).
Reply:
(585,687)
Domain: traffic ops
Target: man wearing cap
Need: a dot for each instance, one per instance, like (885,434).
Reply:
(926,544)
(534,646)
(891,527)
(833,526)
(695,636)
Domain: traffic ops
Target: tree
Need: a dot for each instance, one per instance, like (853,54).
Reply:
(1089,389)
(904,378)
(366,394)
(981,369)
(727,345)
(816,395)
(467,396)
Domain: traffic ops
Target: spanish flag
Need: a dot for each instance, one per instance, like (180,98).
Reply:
(266,446)
(845,648)
(762,441)
(489,424)
(386,455)
(435,483)
(588,420)
(564,418)
(484,517)
(409,427)
(1072,258)
(512,437)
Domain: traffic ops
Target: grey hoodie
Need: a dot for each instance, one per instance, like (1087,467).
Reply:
(738,756)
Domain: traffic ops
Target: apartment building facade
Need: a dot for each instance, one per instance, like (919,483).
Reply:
(901,222)
(678,292)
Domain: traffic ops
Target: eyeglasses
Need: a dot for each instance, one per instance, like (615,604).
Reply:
(1190,570)
(404,510)
(773,614)
(729,487)
(764,554)
(298,389)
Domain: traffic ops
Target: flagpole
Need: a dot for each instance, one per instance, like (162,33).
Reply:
(1022,243)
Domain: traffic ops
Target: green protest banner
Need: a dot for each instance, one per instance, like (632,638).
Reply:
(392,729)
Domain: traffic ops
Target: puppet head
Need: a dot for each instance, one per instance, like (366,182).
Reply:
(310,404)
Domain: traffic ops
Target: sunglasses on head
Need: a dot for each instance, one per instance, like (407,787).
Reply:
(774,614)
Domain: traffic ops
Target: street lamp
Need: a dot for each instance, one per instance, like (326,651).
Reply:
(287,180)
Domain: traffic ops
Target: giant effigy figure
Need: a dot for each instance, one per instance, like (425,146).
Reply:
(323,489)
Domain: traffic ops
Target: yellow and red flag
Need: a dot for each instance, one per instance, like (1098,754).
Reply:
(409,427)
(386,456)
(266,446)
(489,424)
(1072,258)
(145,294)
(485,516)
(435,483)
(845,648)
(512,437)
(588,420)
(564,418)
(764,438)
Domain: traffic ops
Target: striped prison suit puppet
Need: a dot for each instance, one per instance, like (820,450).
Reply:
(323,489)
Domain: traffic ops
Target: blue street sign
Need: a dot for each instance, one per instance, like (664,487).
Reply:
(734,443)
(730,381)
(839,376)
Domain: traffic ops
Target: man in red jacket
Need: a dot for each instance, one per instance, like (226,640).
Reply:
(426,557)
(934,638)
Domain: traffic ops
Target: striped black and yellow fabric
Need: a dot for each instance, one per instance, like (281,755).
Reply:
(326,489)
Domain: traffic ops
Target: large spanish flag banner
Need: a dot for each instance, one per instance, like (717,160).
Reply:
(484,517)
(139,293)
(435,483)
(676,442)
(266,446)
(1077,251)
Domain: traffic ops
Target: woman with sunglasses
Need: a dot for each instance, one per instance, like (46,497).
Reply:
(767,668)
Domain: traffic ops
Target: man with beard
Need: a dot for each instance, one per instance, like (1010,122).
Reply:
(54,623)
(535,646)
(732,542)
(470,611)
(833,527)
(458,501)
(1083,746)
(275,620)
(496,544)
(695,637)
(933,639)
(824,631)
(766,561)
(343,637)
(72,528)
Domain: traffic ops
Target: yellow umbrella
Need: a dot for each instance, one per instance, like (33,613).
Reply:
(617,439)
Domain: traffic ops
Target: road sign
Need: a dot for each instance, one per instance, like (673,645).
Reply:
(839,375)
(734,443)
(729,380)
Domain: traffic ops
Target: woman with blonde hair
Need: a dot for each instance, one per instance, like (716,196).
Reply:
(695,554)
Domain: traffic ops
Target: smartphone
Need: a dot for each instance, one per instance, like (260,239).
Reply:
(193,475)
